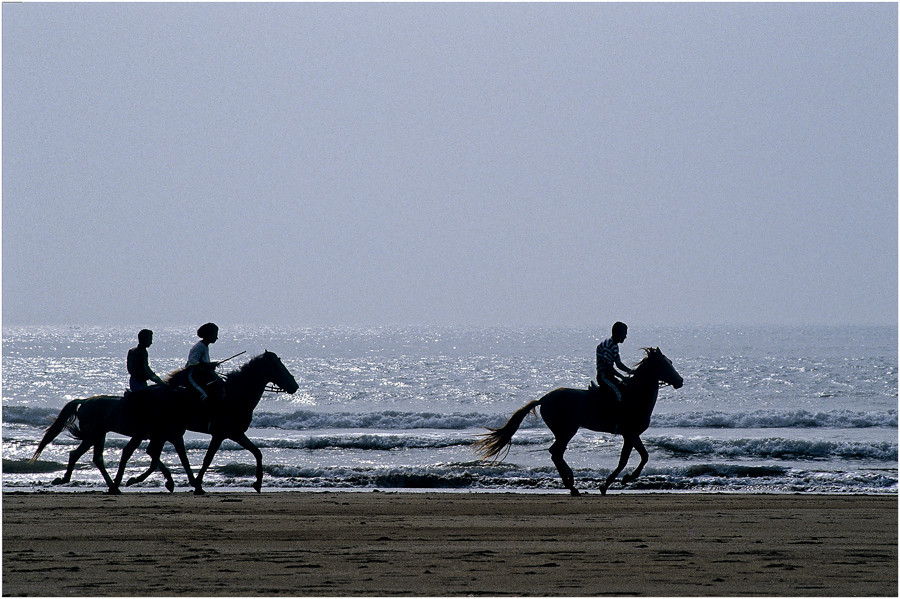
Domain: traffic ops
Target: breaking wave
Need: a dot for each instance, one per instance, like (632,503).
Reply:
(479,475)
(308,419)
(399,420)
(770,448)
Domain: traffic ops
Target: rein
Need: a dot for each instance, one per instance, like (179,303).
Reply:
(269,388)
(273,388)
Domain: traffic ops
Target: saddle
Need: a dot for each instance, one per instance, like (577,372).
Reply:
(593,387)
(149,388)
(196,380)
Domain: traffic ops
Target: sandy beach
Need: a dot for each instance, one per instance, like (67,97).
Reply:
(425,544)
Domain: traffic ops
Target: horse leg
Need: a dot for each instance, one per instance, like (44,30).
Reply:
(178,443)
(98,461)
(247,444)
(127,452)
(627,446)
(170,484)
(74,456)
(153,450)
(639,445)
(214,445)
(556,453)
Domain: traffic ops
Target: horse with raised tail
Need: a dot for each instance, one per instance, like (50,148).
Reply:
(566,410)
(162,413)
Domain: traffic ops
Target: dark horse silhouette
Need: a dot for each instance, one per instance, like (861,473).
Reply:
(230,420)
(567,410)
(136,415)
(163,413)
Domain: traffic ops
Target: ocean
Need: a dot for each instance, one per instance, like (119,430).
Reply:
(762,410)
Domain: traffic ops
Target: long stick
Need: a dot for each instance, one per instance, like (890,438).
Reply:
(232,357)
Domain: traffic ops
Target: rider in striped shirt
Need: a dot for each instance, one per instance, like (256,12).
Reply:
(608,357)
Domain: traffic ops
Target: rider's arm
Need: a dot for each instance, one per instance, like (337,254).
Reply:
(149,371)
(623,367)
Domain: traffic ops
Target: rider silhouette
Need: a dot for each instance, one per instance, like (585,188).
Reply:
(208,333)
(199,358)
(608,357)
(138,362)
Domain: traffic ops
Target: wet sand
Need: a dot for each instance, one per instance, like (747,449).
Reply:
(427,544)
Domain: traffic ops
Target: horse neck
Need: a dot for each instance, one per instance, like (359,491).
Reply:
(245,388)
(644,386)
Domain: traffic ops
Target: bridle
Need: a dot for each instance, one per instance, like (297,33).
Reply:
(273,388)
(269,388)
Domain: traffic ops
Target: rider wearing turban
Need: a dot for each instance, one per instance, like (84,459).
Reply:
(208,333)
(199,355)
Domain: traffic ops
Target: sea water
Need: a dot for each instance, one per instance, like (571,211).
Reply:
(779,410)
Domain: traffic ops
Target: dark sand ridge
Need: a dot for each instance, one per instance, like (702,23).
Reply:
(369,543)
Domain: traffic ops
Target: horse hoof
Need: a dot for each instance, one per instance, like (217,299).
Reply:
(58,481)
(170,486)
(603,490)
(130,482)
(199,491)
(114,491)
(574,492)
(258,487)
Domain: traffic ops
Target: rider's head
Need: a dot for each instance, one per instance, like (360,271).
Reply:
(145,338)
(619,332)
(208,332)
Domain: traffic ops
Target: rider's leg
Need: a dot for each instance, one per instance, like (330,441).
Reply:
(605,380)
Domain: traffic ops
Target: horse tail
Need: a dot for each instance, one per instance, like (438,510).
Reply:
(491,444)
(65,420)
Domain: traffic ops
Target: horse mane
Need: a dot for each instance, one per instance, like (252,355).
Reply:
(176,374)
(648,351)
(238,374)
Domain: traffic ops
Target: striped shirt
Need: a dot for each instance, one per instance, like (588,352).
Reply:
(607,355)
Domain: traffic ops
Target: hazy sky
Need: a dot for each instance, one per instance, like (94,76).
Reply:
(510,164)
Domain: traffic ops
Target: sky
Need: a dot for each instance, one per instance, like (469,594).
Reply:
(454,164)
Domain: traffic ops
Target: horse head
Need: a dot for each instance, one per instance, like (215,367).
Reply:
(278,373)
(662,367)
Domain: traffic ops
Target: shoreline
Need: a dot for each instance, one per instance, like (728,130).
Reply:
(422,543)
(185,488)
